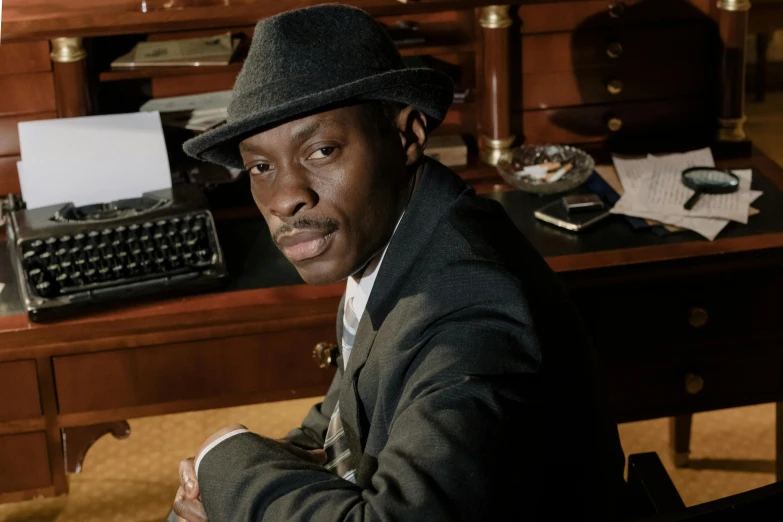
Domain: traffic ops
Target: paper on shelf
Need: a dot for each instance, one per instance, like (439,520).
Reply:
(199,112)
(194,102)
(93,159)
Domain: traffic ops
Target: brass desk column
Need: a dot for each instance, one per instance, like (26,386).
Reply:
(496,138)
(733,26)
(70,77)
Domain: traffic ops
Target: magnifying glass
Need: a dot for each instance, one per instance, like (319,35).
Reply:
(708,180)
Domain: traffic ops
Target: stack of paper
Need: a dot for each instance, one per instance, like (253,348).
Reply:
(198,112)
(210,50)
(653,189)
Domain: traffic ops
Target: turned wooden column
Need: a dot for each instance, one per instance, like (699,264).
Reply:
(496,138)
(70,77)
(733,27)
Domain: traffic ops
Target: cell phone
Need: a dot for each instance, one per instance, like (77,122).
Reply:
(557,214)
(582,203)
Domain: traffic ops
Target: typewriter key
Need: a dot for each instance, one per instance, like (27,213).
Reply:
(44,289)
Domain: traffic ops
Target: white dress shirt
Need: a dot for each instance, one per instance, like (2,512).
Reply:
(360,292)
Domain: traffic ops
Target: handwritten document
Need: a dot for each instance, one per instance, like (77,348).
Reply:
(653,190)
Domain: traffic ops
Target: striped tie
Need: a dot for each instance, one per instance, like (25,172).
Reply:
(338,455)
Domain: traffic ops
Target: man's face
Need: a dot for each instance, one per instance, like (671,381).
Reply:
(331,188)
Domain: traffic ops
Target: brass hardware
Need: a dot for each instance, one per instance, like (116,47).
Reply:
(730,129)
(615,124)
(693,383)
(67,50)
(734,5)
(616,9)
(495,17)
(325,354)
(614,50)
(493,151)
(698,317)
(614,87)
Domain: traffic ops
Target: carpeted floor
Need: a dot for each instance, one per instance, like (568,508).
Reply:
(134,480)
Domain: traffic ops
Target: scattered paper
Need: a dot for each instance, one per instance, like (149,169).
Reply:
(653,190)
(93,159)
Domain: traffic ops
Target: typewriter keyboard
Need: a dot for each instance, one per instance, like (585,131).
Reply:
(70,264)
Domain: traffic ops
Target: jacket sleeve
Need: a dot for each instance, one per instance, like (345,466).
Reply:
(447,456)
(312,433)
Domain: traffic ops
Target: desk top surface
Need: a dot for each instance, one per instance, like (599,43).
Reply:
(262,276)
(44,19)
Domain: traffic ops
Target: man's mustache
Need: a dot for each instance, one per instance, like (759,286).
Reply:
(326,225)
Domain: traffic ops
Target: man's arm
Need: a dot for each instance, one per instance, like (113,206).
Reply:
(447,457)
(312,433)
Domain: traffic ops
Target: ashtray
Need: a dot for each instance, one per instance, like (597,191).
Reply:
(546,169)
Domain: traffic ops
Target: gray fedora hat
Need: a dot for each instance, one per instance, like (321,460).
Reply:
(307,60)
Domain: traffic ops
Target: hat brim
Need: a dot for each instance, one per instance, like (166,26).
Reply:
(426,89)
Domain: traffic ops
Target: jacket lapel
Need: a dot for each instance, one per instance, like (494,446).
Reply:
(435,191)
(339,329)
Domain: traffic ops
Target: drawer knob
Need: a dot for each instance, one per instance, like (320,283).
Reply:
(693,383)
(325,354)
(614,50)
(616,9)
(615,124)
(614,87)
(698,317)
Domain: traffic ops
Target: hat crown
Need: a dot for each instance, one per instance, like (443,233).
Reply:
(309,50)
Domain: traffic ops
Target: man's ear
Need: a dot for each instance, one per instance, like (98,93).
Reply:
(412,126)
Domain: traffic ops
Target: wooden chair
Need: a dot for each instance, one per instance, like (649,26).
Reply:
(655,499)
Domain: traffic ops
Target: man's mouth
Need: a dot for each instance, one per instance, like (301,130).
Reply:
(304,245)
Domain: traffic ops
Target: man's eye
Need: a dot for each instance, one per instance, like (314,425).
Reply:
(322,153)
(259,169)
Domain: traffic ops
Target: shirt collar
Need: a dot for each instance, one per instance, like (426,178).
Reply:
(360,291)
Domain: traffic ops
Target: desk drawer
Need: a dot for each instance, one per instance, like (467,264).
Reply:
(9,179)
(657,47)
(686,116)
(611,84)
(570,16)
(24,462)
(246,367)
(734,376)
(19,397)
(27,93)
(689,315)
(18,58)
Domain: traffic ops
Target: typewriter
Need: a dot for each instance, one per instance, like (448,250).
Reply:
(69,259)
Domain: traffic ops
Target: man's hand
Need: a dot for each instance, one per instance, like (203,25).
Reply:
(187,503)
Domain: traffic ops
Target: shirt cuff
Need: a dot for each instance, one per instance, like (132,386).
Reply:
(215,443)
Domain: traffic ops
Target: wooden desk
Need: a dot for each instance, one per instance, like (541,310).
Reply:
(626,74)
(589,72)
(682,324)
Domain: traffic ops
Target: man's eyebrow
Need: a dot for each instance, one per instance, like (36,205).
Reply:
(306,132)
(245,146)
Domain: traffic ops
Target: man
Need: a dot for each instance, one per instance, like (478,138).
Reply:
(465,387)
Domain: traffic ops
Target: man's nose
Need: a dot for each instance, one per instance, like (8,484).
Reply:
(291,194)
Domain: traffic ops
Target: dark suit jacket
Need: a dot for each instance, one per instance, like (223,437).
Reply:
(471,392)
